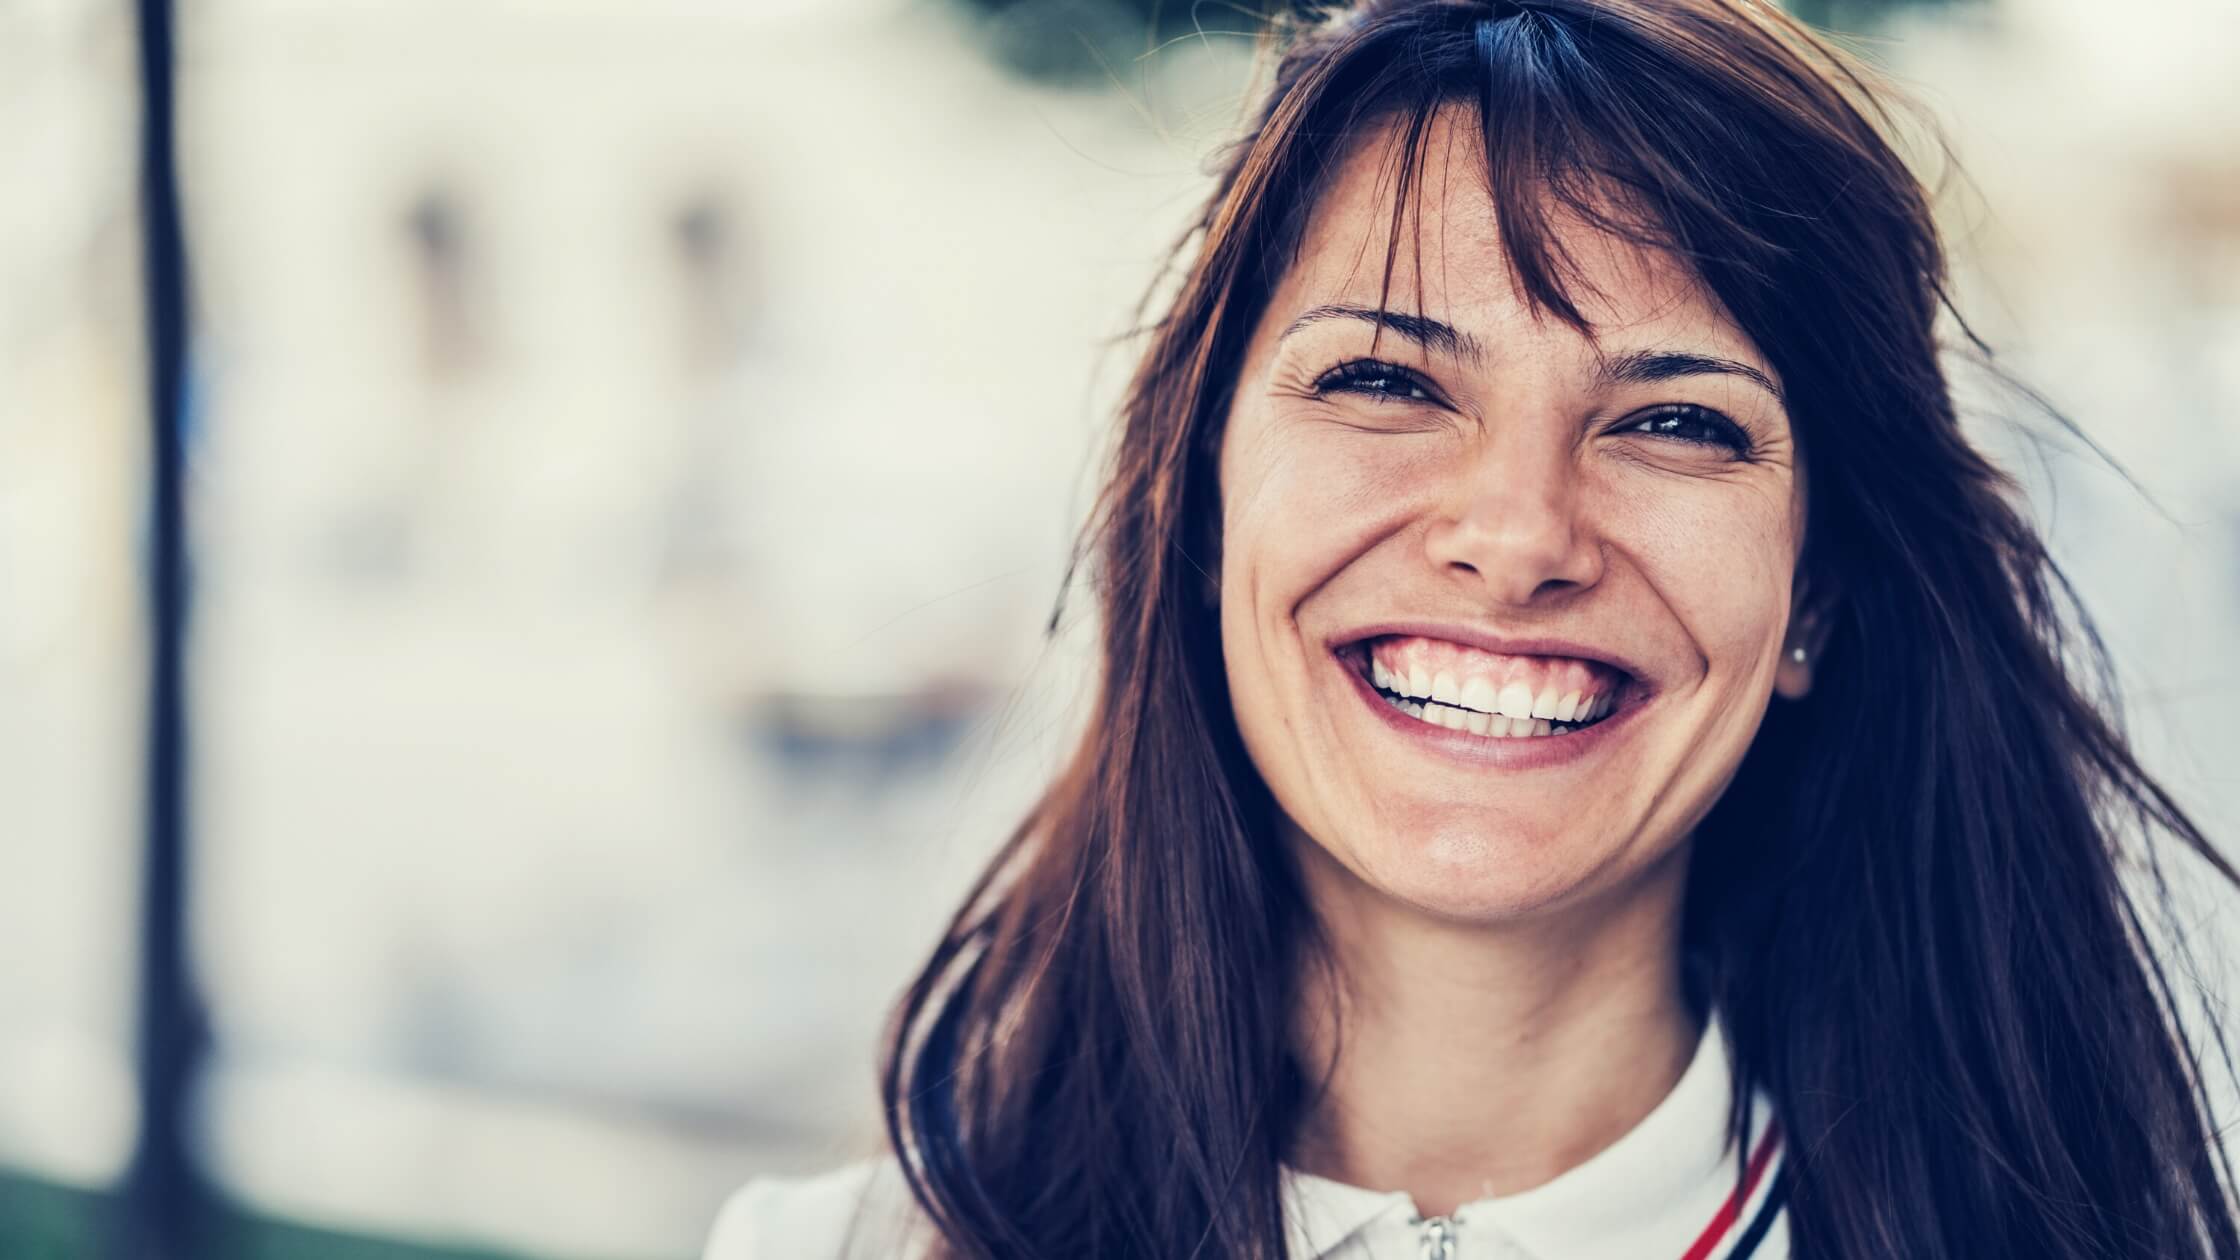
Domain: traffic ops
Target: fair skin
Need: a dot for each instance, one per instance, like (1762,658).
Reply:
(1504,911)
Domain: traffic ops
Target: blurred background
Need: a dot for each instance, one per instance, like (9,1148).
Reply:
(632,450)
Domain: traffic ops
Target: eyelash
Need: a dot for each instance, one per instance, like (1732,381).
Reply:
(1724,432)
(1376,379)
(1360,376)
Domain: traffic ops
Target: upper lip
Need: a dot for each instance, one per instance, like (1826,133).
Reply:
(1488,641)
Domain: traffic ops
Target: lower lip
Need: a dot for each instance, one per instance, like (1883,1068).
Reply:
(1524,752)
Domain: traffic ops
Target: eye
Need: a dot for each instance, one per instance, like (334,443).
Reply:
(1376,379)
(1690,423)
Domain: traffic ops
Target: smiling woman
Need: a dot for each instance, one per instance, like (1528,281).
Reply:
(1587,763)
(1499,512)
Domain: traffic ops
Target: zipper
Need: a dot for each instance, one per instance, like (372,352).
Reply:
(1439,1237)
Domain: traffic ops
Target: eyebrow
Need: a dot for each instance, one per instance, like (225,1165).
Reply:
(1428,333)
(1637,367)
(1643,367)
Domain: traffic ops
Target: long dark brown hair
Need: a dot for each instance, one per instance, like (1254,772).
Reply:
(1910,904)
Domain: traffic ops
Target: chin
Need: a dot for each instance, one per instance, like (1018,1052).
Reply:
(1462,869)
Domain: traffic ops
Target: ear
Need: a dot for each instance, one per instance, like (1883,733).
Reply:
(1809,618)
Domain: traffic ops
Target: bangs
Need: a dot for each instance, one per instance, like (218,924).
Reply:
(1584,122)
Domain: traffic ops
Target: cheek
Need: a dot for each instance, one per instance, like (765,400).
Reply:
(1300,506)
(1722,558)
(1271,550)
(1303,505)
(1301,501)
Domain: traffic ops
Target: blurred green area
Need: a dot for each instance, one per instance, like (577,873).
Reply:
(43,1221)
(1092,41)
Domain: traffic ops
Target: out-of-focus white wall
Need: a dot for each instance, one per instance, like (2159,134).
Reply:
(70,657)
(641,446)
(635,450)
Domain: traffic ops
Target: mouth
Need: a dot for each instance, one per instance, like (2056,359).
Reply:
(1490,695)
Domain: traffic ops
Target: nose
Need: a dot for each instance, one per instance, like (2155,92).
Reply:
(1511,524)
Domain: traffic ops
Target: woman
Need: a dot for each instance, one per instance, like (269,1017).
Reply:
(1586,763)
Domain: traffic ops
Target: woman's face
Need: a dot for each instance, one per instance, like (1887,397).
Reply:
(1501,605)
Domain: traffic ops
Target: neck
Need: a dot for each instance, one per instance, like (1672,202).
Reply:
(1481,1060)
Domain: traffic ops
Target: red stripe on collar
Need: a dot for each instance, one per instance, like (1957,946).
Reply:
(1731,1211)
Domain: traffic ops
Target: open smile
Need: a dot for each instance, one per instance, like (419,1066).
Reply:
(1482,701)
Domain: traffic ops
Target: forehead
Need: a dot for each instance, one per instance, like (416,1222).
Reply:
(1449,258)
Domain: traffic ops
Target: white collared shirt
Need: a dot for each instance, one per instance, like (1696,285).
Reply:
(1672,1188)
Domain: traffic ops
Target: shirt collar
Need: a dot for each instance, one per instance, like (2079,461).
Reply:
(1653,1180)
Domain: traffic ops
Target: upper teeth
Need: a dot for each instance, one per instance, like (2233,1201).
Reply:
(1516,700)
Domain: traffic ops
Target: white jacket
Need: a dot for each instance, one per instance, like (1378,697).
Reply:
(1667,1190)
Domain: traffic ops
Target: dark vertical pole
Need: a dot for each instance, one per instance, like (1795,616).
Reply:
(160,1219)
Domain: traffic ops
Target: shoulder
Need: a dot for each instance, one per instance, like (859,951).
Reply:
(855,1212)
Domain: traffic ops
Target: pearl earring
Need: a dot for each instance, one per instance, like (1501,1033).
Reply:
(1797,655)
